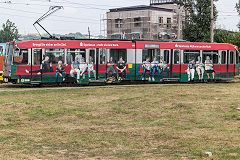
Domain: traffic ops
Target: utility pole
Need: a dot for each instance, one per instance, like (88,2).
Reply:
(212,23)
(89,33)
(179,23)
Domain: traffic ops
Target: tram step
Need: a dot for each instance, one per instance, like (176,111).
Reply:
(96,81)
(171,79)
(35,82)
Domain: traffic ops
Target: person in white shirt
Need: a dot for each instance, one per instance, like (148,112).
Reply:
(146,68)
(200,68)
(83,68)
(91,68)
(155,68)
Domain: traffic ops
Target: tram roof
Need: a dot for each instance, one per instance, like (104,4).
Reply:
(127,44)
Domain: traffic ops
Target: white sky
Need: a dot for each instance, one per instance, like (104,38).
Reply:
(79,14)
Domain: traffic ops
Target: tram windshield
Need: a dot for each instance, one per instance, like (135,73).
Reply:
(20,56)
(9,54)
(1,50)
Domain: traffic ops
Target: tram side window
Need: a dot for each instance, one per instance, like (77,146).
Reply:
(189,55)
(1,50)
(150,53)
(55,55)
(177,57)
(80,52)
(237,57)
(166,56)
(92,55)
(117,53)
(213,55)
(223,58)
(20,56)
(103,55)
(231,57)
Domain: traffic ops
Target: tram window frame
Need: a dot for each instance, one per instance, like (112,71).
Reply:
(231,57)
(174,56)
(74,52)
(117,54)
(213,54)
(1,50)
(190,55)
(10,53)
(92,54)
(237,57)
(103,55)
(224,58)
(151,53)
(22,55)
(54,53)
(166,60)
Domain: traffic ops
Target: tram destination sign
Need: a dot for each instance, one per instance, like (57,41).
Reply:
(148,46)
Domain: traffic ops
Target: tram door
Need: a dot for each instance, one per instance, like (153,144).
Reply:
(167,58)
(36,64)
(176,63)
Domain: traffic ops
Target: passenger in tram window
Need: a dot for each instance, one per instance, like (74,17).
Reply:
(83,68)
(91,68)
(102,60)
(60,71)
(75,68)
(110,65)
(46,67)
(121,68)
(191,70)
(200,68)
(79,55)
(146,68)
(69,58)
(163,66)
(155,68)
(209,67)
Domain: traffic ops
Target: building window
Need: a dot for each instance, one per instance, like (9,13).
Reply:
(116,36)
(169,23)
(137,22)
(118,23)
(160,21)
(136,36)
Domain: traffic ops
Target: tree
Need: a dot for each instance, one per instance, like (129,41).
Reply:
(9,32)
(238,10)
(197,22)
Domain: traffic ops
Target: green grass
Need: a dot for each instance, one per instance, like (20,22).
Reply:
(120,122)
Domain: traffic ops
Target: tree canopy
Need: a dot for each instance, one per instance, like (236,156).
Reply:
(197,22)
(9,32)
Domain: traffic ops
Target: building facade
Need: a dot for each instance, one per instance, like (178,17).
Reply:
(161,20)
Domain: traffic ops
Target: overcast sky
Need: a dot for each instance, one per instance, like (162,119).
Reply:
(79,14)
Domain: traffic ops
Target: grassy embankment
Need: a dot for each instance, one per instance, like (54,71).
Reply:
(157,122)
